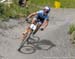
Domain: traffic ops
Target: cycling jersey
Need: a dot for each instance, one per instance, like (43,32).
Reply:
(41,17)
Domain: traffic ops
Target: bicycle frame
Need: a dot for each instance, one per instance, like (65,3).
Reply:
(33,27)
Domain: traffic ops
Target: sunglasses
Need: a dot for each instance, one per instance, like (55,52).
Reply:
(47,11)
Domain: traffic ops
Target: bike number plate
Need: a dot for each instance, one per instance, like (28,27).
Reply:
(33,27)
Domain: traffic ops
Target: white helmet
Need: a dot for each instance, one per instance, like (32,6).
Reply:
(47,8)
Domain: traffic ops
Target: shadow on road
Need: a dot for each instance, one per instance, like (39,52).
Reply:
(45,45)
(40,45)
(2,57)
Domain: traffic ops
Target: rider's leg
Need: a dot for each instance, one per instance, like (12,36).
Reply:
(38,26)
(28,29)
(34,21)
(25,32)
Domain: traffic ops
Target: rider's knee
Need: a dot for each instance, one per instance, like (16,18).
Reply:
(34,21)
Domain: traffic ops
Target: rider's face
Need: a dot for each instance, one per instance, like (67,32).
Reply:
(45,12)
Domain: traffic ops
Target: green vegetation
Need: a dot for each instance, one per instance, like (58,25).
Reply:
(72,33)
(15,11)
(71,28)
(72,37)
(1,10)
(64,3)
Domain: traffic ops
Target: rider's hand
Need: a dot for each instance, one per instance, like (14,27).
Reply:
(41,29)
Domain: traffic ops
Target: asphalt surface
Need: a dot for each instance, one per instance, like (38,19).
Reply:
(55,36)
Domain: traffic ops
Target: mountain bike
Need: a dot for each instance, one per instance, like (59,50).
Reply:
(26,43)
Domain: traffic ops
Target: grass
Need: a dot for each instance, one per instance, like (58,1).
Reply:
(72,33)
(72,37)
(71,28)
(64,3)
(15,10)
(68,3)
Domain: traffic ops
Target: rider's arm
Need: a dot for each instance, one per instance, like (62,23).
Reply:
(32,14)
(44,25)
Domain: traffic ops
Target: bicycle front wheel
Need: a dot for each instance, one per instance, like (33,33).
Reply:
(24,41)
(27,49)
